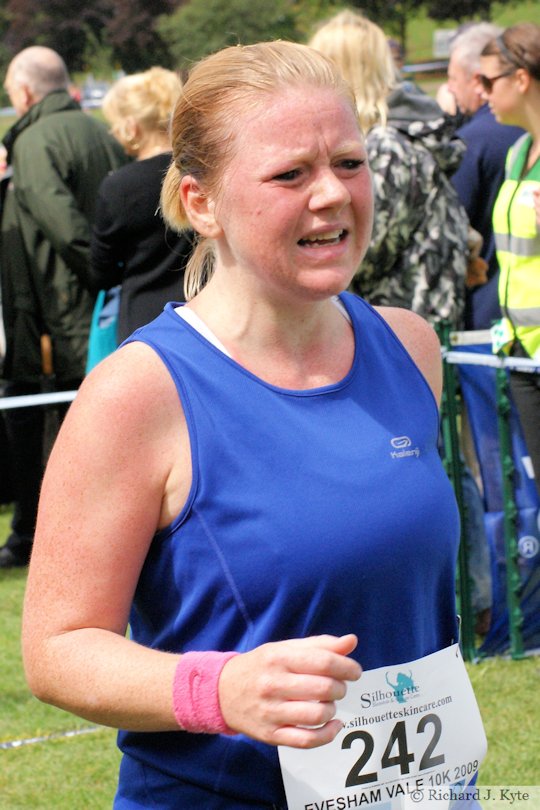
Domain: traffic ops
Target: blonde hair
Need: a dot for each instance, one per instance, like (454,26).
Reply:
(361,52)
(147,97)
(219,89)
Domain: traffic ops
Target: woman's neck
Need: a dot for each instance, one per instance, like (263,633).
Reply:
(155,144)
(293,346)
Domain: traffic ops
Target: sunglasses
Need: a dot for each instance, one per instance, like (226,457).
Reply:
(487,82)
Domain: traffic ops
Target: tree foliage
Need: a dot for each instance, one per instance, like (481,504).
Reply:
(59,24)
(133,36)
(459,9)
(392,14)
(124,28)
(204,26)
(311,13)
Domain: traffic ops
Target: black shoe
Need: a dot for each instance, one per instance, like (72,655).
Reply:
(483,622)
(10,560)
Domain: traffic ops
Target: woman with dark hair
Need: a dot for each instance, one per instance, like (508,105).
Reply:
(510,77)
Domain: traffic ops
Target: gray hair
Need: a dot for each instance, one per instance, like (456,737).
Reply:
(42,69)
(469,44)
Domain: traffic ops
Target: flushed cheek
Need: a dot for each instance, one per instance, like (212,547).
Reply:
(364,218)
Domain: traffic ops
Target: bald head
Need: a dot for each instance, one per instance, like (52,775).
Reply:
(32,74)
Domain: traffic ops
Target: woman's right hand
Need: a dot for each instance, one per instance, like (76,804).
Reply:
(284,693)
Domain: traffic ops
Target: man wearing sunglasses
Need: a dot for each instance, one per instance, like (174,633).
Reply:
(481,173)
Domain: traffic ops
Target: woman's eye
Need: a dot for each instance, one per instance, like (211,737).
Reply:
(292,174)
(352,163)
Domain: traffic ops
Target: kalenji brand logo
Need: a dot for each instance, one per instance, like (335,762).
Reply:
(401,441)
(402,447)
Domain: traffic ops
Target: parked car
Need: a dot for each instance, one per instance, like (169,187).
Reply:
(93,93)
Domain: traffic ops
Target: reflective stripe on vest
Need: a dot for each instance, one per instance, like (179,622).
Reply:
(518,245)
(524,317)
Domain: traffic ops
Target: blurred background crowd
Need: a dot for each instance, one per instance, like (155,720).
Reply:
(86,258)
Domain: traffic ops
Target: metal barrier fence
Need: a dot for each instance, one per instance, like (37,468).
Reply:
(32,400)
(451,411)
(450,422)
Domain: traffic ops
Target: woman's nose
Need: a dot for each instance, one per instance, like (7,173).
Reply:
(329,191)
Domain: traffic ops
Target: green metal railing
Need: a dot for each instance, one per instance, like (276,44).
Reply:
(513,580)
(450,415)
(450,422)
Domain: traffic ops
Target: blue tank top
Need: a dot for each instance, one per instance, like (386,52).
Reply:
(316,511)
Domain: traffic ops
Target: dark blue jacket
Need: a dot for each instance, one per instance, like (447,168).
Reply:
(477,181)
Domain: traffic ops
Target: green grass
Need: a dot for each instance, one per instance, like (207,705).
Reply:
(79,773)
(75,773)
(420,29)
(507,693)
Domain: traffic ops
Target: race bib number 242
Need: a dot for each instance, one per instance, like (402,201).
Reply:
(409,731)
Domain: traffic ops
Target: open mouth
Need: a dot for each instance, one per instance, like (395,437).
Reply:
(324,239)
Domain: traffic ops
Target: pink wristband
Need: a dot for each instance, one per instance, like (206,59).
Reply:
(195,692)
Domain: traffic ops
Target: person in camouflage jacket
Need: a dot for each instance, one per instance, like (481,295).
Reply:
(418,253)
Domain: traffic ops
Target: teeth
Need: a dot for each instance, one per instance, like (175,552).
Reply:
(324,237)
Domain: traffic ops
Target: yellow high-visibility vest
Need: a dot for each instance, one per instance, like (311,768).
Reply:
(517,238)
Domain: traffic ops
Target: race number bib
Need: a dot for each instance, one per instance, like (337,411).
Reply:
(526,196)
(502,335)
(410,731)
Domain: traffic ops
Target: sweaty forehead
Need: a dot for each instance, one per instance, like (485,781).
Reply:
(293,115)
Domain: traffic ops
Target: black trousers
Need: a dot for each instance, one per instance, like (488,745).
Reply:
(30,432)
(525,389)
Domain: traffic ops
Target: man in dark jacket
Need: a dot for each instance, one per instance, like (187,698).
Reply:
(481,172)
(57,156)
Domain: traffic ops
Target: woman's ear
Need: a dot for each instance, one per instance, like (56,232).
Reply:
(127,132)
(199,207)
(523,78)
(130,127)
